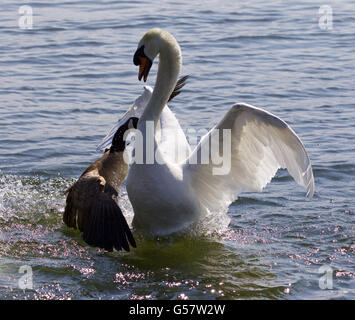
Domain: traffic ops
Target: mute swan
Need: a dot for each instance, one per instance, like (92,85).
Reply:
(90,205)
(169,196)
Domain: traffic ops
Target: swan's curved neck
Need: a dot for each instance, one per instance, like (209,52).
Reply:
(168,72)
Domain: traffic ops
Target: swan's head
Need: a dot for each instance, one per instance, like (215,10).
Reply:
(153,42)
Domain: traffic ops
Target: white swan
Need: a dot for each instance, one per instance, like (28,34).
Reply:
(170,196)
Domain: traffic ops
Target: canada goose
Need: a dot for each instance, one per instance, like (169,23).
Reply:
(90,204)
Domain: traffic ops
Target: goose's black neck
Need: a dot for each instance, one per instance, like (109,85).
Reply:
(118,142)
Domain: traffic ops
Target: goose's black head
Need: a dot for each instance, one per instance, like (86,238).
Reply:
(118,143)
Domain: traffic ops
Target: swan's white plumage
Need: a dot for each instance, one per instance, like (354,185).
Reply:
(261,143)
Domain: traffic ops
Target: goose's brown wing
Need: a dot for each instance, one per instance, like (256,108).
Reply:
(106,227)
(91,209)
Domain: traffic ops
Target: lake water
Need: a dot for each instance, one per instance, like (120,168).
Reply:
(67,80)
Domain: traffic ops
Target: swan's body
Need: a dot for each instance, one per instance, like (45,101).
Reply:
(170,195)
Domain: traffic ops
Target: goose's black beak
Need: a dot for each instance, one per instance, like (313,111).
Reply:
(144,63)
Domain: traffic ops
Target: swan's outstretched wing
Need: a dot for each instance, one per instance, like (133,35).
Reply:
(261,143)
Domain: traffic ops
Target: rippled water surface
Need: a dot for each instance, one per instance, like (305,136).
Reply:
(66,81)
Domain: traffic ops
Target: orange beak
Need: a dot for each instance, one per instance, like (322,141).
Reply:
(144,67)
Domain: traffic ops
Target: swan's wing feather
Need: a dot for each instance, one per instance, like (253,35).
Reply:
(261,143)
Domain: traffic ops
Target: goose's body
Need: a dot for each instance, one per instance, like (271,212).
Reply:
(91,205)
(170,194)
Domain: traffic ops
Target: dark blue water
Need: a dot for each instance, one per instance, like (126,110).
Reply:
(66,81)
